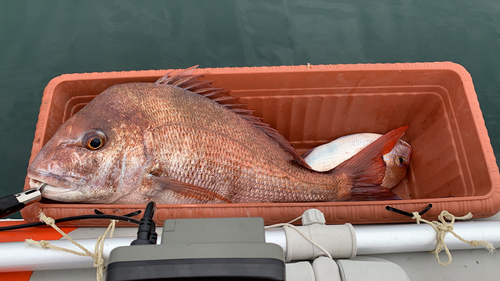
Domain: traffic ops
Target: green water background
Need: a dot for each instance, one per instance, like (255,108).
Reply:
(40,40)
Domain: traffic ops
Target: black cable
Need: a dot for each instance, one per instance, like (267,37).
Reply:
(83,217)
(146,233)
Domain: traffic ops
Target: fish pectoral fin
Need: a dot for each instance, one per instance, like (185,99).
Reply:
(189,190)
(374,193)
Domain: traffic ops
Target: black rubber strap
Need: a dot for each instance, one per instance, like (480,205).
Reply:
(389,208)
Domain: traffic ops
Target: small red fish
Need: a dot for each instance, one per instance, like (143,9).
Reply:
(328,156)
(180,140)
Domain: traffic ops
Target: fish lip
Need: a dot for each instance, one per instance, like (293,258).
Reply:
(54,191)
(37,178)
(35,183)
(49,188)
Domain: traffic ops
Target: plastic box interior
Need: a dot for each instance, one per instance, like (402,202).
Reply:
(452,165)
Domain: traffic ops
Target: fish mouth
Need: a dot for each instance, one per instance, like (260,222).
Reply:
(49,188)
(54,192)
(39,178)
(57,188)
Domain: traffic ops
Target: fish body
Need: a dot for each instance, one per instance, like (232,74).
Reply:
(328,156)
(180,140)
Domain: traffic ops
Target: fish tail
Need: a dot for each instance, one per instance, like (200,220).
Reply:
(367,168)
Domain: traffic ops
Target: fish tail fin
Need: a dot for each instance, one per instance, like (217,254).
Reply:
(367,168)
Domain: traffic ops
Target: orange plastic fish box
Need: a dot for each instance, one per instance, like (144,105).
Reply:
(452,166)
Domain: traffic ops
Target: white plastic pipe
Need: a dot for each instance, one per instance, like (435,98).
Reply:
(370,239)
(338,240)
(383,239)
(21,256)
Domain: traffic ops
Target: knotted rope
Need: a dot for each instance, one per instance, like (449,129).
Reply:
(442,227)
(98,249)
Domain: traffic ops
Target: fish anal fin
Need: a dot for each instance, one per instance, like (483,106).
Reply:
(367,167)
(189,190)
(189,81)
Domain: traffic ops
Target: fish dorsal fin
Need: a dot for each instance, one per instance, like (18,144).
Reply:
(189,81)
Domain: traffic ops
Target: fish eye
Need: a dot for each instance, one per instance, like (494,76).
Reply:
(400,159)
(94,140)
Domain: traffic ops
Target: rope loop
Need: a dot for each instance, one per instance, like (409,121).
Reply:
(98,250)
(442,227)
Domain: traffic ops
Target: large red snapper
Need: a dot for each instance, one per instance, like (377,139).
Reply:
(180,140)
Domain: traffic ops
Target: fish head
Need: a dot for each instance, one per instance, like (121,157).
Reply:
(93,156)
(397,163)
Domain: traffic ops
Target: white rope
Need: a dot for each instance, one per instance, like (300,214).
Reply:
(288,224)
(294,220)
(98,250)
(442,227)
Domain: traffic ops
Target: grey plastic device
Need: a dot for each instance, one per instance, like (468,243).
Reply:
(202,249)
